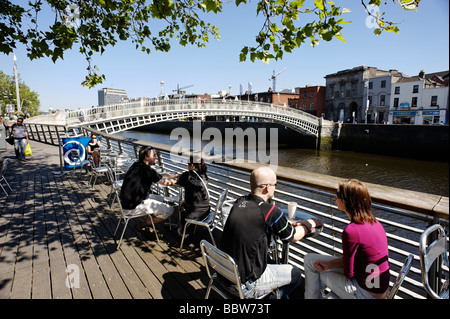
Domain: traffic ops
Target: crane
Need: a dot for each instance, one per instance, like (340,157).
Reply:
(274,79)
(178,90)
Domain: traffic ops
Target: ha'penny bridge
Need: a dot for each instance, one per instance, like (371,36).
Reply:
(56,229)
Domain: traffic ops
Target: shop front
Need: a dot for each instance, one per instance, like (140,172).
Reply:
(404,117)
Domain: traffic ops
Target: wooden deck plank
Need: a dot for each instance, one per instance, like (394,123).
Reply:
(56,255)
(57,223)
(23,268)
(41,288)
(116,285)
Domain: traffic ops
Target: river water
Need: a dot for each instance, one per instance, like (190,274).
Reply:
(417,175)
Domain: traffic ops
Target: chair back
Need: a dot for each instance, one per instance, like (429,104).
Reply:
(4,167)
(110,175)
(217,261)
(216,216)
(428,256)
(75,155)
(401,277)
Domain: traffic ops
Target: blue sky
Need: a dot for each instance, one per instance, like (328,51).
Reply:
(423,43)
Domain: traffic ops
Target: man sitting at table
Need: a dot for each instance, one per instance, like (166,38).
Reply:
(246,237)
(137,183)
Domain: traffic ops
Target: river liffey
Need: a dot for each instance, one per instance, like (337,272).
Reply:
(417,175)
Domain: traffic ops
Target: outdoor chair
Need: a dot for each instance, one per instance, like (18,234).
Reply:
(116,185)
(126,216)
(223,273)
(433,253)
(395,287)
(97,171)
(119,167)
(3,178)
(78,162)
(209,222)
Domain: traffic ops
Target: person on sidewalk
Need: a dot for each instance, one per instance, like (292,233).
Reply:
(20,134)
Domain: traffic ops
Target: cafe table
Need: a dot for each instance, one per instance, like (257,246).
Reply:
(299,215)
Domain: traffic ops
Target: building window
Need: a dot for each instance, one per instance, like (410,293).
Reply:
(396,102)
(414,102)
(370,100)
(311,94)
(354,89)
(311,106)
(397,90)
(304,94)
(434,100)
(415,89)
(383,83)
(342,90)
(382,99)
(370,85)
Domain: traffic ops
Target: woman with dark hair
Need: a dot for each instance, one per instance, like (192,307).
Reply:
(93,149)
(363,270)
(196,195)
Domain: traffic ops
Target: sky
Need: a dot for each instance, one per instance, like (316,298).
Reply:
(421,44)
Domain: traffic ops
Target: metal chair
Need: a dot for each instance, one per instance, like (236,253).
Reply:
(97,171)
(220,263)
(127,215)
(433,254)
(3,178)
(116,185)
(395,287)
(209,222)
(78,162)
(400,277)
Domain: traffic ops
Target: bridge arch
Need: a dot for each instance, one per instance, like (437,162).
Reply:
(121,117)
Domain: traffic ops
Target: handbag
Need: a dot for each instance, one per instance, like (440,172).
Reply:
(10,140)
(28,151)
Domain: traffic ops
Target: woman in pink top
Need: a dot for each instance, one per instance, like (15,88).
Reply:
(363,270)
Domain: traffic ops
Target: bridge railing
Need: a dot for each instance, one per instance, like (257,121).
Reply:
(403,225)
(125,109)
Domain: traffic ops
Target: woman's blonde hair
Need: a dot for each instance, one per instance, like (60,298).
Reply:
(357,201)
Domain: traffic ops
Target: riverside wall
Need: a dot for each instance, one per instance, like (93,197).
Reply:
(428,142)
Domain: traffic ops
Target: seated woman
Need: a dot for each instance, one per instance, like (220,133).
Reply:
(93,149)
(363,270)
(196,196)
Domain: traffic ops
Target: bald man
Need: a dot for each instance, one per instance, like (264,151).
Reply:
(246,236)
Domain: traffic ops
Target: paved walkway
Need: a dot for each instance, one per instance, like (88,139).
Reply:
(56,228)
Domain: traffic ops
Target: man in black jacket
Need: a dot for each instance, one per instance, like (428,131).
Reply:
(246,236)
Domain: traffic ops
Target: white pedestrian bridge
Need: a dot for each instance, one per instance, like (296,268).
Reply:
(124,116)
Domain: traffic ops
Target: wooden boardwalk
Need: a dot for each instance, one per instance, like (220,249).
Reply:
(56,230)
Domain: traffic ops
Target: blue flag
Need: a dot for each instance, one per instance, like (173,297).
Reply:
(74,143)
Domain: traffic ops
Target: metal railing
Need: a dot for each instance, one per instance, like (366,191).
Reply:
(119,117)
(403,227)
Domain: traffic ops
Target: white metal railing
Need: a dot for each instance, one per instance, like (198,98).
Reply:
(151,111)
(403,227)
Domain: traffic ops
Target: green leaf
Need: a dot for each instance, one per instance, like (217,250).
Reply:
(319,4)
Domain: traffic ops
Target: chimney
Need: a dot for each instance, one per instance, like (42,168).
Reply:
(422,74)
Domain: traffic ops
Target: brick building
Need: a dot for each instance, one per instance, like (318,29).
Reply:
(310,99)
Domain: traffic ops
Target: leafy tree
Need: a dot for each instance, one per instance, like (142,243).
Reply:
(29,99)
(96,24)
